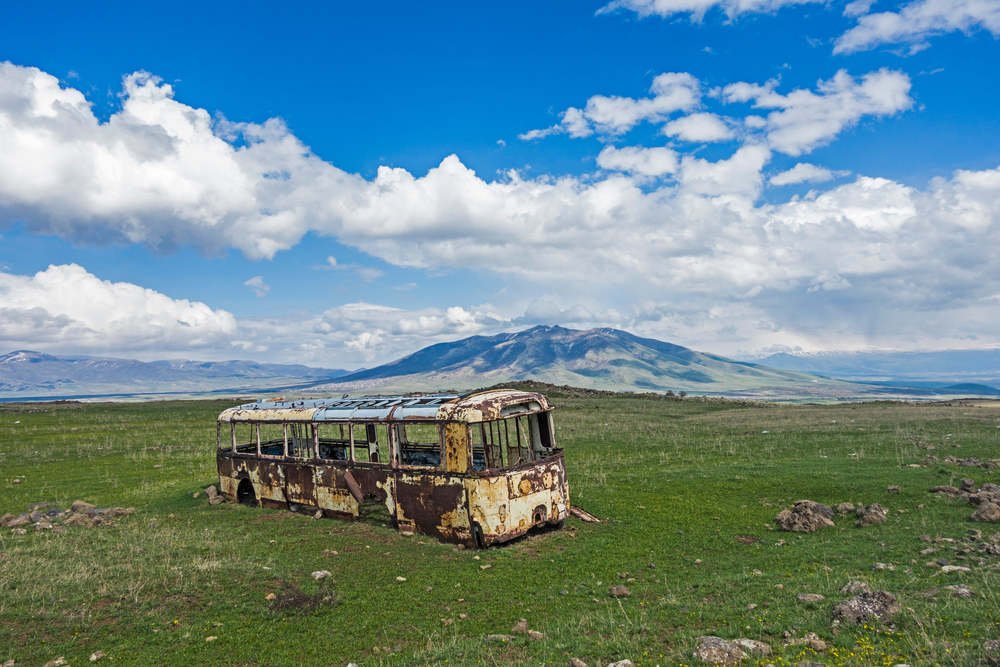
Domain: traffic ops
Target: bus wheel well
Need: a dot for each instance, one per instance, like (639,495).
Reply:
(245,493)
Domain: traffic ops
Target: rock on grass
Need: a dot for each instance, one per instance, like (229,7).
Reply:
(877,605)
(805,517)
(868,516)
(987,513)
(717,651)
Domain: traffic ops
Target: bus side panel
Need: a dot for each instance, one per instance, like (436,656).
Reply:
(300,483)
(229,476)
(332,495)
(433,504)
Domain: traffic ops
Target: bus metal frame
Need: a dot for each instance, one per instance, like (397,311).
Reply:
(463,499)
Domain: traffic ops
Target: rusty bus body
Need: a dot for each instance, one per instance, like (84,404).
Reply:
(479,469)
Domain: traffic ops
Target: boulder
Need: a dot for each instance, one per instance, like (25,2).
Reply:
(877,605)
(855,587)
(5,519)
(984,497)
(20,520)
(717,651)
(619,591)
(752,646)
(968,485)
(80,506)
(211,491)
(805,517)
(987,512)
(845,508)
(868,516)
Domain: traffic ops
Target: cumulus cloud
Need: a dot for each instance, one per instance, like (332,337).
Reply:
(671,92)
(698,127)
(697,8)
(67,308)
(805,119)
(259,287)
(805,172)
(638,160)
(915,22)
(164,174)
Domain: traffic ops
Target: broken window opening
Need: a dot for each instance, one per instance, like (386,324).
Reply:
(418,444)
(477,442)
(272,440)
(245,438)
(300,441)
(370,443)
(334,441)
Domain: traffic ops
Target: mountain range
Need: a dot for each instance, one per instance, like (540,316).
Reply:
(26,374)
(607,359)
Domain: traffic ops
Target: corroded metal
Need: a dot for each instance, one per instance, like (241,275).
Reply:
(454,502)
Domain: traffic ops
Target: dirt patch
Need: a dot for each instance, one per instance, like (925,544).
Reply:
(292,598)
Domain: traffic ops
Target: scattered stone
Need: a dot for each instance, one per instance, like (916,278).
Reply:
(521,627)
(928,551)
(58,662)
(991,487)
(622,663)
(987,512)
(619,591)
(826,569)
(43,525)
(397,578)
(6,517)
(968,485)
(991,647)
(881,605)
(805,517)
(271,596)
(211,491)
(948,569)
(883,566)
(924,538)
(753,646)
(492,639)
(210,639)
(751,606)
(463,616)
(97,655)
(322,574)
(960,591)
(17,481)
(218,500)
(870,515)
(576,662)
(811,597)
(949,491)
(447,621)
(196,494)
(96,521)
(535,635)
(717,651)
(892,489)
(845,508)
(20,520)
(18,531)
(80,506)
(76,520)
(9,663)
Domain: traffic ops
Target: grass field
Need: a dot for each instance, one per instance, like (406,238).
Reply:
(689,490)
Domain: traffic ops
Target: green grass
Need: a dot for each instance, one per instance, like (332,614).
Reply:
(677,481)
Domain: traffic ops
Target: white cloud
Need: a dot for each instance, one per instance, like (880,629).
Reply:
(915,22)
(259,287)
(68,309)
(805,172)
(610,116)
(698,8)
(805,120)
(698,127)
(161,173)
(363,273)
(637,160)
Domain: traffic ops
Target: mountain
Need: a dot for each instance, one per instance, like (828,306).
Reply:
(33,374)
(597,359)
(946,367)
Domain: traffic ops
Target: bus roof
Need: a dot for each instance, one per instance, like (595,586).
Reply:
(478,407)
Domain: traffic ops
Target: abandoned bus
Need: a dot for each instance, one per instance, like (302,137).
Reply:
(477,470)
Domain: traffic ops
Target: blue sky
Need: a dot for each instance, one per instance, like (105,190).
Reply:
(339,185)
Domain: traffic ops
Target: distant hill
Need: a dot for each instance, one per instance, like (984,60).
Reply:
(947,367)
(599,359)
(33,374)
